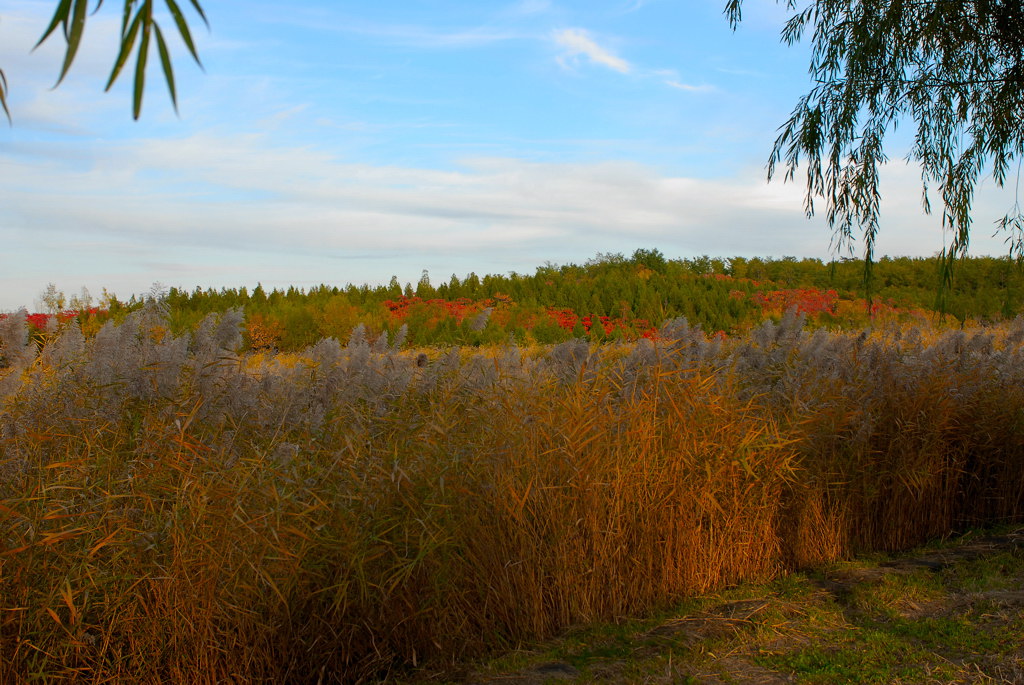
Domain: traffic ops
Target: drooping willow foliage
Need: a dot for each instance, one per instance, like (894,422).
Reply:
(139,29)
(952,69)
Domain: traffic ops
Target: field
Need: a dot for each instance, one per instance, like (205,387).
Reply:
(174,511)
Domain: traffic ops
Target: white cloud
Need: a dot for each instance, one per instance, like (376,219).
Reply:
(232,210)
(408,35)
(578,42)
(421,37)
(689,88)
(671,78)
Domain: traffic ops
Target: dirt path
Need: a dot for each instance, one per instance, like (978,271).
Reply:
(953,614)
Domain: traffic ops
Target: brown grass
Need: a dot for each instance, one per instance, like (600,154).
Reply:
(216,533)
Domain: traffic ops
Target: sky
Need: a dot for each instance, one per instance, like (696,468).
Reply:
(336,142)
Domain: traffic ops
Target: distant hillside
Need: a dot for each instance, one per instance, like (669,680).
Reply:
(609,297)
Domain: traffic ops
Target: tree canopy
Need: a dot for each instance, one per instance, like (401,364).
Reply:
(954,69)
(138,29)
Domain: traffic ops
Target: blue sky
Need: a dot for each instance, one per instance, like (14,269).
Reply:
(341,141)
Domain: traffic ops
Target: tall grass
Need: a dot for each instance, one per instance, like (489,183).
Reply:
(170,512)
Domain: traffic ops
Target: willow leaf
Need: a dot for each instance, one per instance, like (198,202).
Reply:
(183,29)
(127,43)
(165,62)
(140,67)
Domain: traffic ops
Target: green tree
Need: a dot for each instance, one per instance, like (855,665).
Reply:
(394,290)
(424,289)
(53,300)
(138,30)
(953,68)
(259,295)
(652,259)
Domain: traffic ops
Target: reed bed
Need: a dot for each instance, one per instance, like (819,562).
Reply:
(172,512)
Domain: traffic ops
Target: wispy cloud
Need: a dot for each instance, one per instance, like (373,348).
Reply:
(689,88)
(422,37)
(578,43)
(407,35)
(194,204)
(235,209)
(671,78)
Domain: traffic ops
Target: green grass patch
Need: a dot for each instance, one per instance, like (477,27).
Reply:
(863,656)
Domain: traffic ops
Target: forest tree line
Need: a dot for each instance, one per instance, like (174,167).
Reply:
(608,297)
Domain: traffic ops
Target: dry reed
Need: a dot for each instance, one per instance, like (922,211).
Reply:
(172,513)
